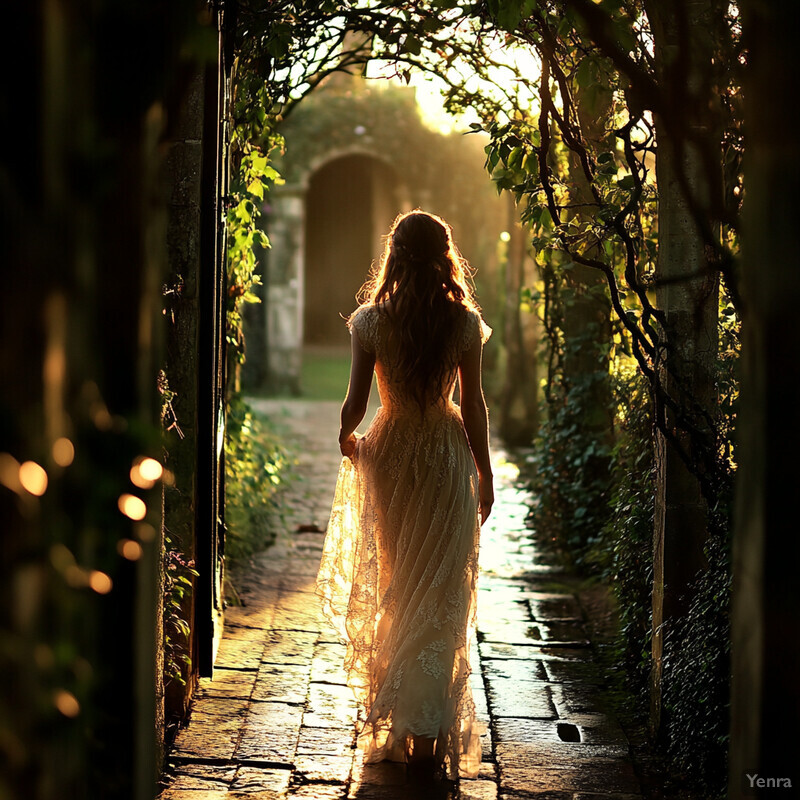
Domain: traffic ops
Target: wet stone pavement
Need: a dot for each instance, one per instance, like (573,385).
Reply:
(278,721)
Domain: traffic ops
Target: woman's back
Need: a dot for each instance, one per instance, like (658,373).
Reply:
(377,331)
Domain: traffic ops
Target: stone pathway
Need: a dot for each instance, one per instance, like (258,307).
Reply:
(277,720)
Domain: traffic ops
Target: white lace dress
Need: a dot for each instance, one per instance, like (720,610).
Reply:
(400,561)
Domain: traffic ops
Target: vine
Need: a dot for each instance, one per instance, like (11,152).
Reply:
(178,573)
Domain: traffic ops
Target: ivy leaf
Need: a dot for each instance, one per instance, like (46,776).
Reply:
(258,164)
(256,188)
(626,182)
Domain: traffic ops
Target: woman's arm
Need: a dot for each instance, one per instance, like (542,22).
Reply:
(476,422)
(355,404)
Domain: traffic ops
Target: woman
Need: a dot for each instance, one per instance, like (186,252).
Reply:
(399,564)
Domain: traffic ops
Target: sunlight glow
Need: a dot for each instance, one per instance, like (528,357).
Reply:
(501,81)
(505,469)
(132,507)
(63,452)
(33,478)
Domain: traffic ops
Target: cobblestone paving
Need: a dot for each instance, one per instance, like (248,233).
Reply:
(277,720)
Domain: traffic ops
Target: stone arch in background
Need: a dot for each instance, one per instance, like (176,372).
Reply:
(325,230)
(350,203)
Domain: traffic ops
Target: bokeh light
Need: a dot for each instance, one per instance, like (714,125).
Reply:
(33,478)
(61,557)
(150,469)
(100,582)
(66,703)
(137,479)
(63,452)
(43,657)
(129,549)
(132,507)
(145,472)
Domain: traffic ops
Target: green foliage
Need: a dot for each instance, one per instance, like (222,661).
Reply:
(257,468)
(698,662)
(697,696)
(256,464)
(623,553)
(178,587)
(571,479)
(252,179)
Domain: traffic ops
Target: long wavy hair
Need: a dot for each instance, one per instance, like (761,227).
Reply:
(422,284)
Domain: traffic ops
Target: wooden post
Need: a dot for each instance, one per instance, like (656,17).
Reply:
(688,296)
(765,696)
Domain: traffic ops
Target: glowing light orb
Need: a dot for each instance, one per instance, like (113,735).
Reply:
(100,582)
(129,549)
(145,472)
(63,452)
(66,703)
(33,478)
(132,507)
(150,469)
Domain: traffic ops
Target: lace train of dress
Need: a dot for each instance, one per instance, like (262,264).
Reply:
(399,566)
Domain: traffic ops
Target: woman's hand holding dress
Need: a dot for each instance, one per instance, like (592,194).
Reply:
(355,404)
(348,446)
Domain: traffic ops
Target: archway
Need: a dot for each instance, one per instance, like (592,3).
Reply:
(349,205)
